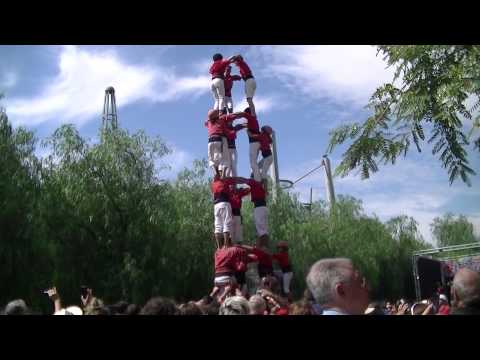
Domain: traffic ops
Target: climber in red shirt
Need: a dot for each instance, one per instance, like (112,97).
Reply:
(247,76)
(281,256)
(229,79)
(265,140)
(217,71)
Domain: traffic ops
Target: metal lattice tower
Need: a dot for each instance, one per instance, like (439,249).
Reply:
(109,116)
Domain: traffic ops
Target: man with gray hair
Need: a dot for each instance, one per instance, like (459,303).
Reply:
(16,307)
(257,305)
(235,305)
(466,292)
(338,287)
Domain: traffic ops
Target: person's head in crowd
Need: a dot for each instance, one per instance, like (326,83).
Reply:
(190,308)
(16,307)
(390,308)
(466,291)
(301,307)
(99,310)
(95,306)
(159,306)
(132,309)
(257,305)
(271,283)
(418,308)
(235,305)
(212,308)
(119,307)
(442,299)
(374,308)
(336,284)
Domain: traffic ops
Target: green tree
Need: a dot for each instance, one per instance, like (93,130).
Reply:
(450,230)
(23,257)
(434,84)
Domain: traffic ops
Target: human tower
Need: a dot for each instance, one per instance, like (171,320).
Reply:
(231,256)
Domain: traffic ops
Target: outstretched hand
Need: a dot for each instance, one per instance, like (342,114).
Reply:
(402,309)
(52,294)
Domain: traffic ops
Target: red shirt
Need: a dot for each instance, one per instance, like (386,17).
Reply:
(264,139)
(282,259)
(229,79)
(218,68)
(243,67)
(444,310)
(236,197)
(219,127)
(226,259)
(241,260)
(282,311)
(214,128)
(252,123)
(221,188)
(257,191)
(263,257)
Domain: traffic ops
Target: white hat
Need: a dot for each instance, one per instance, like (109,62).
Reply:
(72,310)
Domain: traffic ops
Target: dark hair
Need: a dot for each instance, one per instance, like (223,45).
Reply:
(159,306)
(100,310)
(211,309)
(217,57)
(119,307)
(190,309)
(247,110)
(132,309)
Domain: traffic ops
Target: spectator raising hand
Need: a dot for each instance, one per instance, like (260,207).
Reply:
(55,297)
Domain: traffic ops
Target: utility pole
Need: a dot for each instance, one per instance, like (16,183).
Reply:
(330,192)
(274,169)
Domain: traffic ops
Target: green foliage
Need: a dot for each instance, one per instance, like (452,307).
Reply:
(450,230)
(436,82)
(100,214)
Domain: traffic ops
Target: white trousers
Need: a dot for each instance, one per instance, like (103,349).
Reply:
(261,224)
(254,150)
(223,217)
(253,280)
(229,102)
(264,165)
(287,279)
(237,233)
(218,91)
(233,158)
(250,87)
(219,154)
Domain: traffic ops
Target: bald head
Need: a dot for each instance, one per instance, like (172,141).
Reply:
(466,287)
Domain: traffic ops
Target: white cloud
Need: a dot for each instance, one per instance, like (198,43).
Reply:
(8,80)
(262,104)
(177,160)
(343,73)
(76,93)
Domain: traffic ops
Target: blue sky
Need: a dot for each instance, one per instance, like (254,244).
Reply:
(302,92)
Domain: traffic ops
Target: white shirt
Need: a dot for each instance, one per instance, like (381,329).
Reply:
(333,312)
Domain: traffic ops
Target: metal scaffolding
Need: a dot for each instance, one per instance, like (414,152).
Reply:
(109,116)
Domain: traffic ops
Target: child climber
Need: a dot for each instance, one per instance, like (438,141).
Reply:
(281,256)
